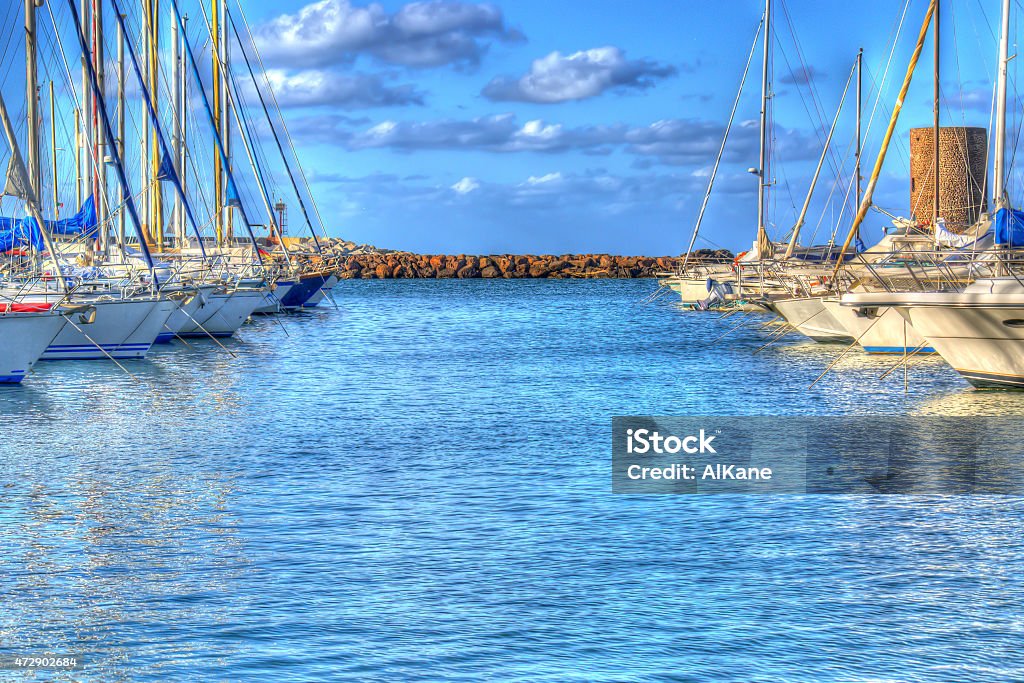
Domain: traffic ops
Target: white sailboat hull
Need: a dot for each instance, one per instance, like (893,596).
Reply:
(23,339)
(977,342)
(809,316)
(193,323)
(272,299)
(979,331)
(237,308)
(122,329)
(880,330)
(690,290)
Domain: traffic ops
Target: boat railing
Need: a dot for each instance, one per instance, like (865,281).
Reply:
(701,266)
(923,271)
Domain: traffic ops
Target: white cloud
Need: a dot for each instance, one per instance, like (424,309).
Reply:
(316,87)
(581,75)
(546,178)
(466,185)
(418,34)
(675,142)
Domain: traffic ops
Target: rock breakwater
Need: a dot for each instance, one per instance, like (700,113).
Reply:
(406,265)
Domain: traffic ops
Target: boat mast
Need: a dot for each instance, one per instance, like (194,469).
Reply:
(218,165)
(865,203)
(161,149)
(194,68)
(817,171)
(254,164)
(225,112)
(104,119)
(78,156)
(25,184)
(998,189)
(183,119)
(860,91)
(762,234)
(99,181)
(711,178)
(53,150)
(935,112)
(145,152)
(32,100)
(121,218)
(291,142)
(156,210)
(176,142)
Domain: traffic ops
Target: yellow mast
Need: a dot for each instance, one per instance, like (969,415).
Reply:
(870,190)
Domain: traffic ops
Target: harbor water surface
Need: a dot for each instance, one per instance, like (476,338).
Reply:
(416,486)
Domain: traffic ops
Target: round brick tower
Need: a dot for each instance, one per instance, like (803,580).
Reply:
(963,160)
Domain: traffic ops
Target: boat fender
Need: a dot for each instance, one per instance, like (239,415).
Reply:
(88,316)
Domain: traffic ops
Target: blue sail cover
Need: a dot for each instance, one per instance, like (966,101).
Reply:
(24,232)
(1010,227)
(18,232)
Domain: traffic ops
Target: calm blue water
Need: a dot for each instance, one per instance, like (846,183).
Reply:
(416,487)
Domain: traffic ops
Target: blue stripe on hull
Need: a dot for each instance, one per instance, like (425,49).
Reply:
(204,335)
(93,347)
(897,349)
(91,352)
(14,378)
(165,338)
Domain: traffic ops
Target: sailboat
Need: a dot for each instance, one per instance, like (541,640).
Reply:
(752,281)
(978,328)
(816,314)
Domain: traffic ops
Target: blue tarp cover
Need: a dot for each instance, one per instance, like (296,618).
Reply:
(1010,227)
(24,232)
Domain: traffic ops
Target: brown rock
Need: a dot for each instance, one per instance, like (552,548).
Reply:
(538,269)
(468,272)
(490,272)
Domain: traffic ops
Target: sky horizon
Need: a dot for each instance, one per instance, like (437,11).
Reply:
(452,126)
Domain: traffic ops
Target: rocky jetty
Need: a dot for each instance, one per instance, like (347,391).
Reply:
(367,263)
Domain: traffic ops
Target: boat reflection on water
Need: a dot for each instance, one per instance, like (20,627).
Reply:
(916,455)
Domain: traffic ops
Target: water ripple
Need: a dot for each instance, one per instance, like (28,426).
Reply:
(415,487)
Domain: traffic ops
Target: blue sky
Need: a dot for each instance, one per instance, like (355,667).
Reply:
(551,127)
(440,168)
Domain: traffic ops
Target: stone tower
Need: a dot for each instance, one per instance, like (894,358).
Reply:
(963,161)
